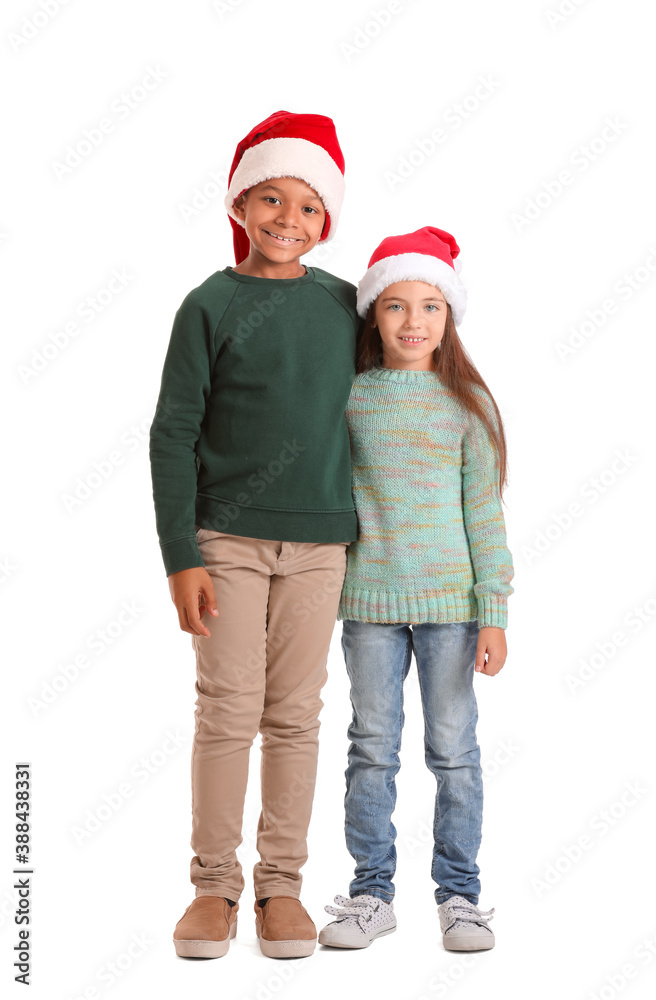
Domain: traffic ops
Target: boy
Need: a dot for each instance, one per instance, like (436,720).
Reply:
(251,476)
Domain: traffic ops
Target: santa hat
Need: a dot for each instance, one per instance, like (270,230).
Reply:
(288,145)
(429,255)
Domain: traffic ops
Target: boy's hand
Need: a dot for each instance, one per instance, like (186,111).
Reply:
(192,591)
(492,641)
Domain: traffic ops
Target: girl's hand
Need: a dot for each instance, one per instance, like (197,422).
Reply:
(192,592)
(491,640)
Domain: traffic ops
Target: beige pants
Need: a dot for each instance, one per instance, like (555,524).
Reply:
(262,669)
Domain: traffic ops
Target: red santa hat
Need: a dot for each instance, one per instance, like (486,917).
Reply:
(288,145)
(429,255)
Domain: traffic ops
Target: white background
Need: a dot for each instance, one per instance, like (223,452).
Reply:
(555,757)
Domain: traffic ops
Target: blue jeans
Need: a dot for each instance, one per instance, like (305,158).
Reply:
(378,658)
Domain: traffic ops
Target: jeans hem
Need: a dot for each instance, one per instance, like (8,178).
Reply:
(442,898)
(386,897)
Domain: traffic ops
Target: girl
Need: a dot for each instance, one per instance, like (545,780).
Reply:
(430,573)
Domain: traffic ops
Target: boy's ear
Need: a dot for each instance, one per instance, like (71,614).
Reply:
(239,206)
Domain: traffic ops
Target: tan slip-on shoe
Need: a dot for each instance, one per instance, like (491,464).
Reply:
(206,928)
(284,928)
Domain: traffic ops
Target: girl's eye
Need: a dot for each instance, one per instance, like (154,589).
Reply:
(394,306)
(432,306)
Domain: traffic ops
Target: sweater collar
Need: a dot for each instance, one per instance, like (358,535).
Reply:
(407,375)
(251,279)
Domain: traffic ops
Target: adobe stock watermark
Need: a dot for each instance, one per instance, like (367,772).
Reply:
(273,985)
(591,491)
(203,195)
(226,512)
(321,253)
(600,825)
(114,969)
(262,310)
(364,34)
(88,310)
(302,612)
(616,982)
(87,484)
(7,569)
(562,12)
(590,666)
(120,109)
(96,644)
(440,984)
(578,162)
(225,7)
(451,120)
(506,751)
(624,288)
(7,907)
(139,774)
(33,24)
(299,785)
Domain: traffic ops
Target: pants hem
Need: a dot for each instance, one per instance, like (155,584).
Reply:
(225,893)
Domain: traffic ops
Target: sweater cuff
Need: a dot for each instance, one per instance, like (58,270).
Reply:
(492,610)
(181,553)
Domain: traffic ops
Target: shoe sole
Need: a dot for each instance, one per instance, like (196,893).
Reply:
(285,949)
(204,949)
(467,944)
(363,944)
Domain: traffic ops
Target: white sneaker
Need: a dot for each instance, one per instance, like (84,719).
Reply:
(464,926)
(359,921)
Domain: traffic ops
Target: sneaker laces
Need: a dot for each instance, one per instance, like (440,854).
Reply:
(459,910)
(359,909)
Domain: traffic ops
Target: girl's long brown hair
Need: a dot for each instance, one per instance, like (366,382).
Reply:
(455,368)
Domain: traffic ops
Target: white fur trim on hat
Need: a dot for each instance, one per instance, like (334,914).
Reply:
(413,267)
(288,157)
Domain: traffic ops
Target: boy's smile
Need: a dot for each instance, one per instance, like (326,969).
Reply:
(284,218)
(283,239)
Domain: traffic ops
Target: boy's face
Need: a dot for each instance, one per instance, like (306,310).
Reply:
(283,218)
(411,317)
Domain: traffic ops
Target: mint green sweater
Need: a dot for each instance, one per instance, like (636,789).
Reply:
(431,541)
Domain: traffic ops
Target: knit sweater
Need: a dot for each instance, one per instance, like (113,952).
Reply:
(431,545)
(249,435)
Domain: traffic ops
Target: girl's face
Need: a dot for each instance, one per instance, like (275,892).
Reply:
(410,317)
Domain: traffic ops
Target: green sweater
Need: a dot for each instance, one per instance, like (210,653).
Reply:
(249,435)
(432,542)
